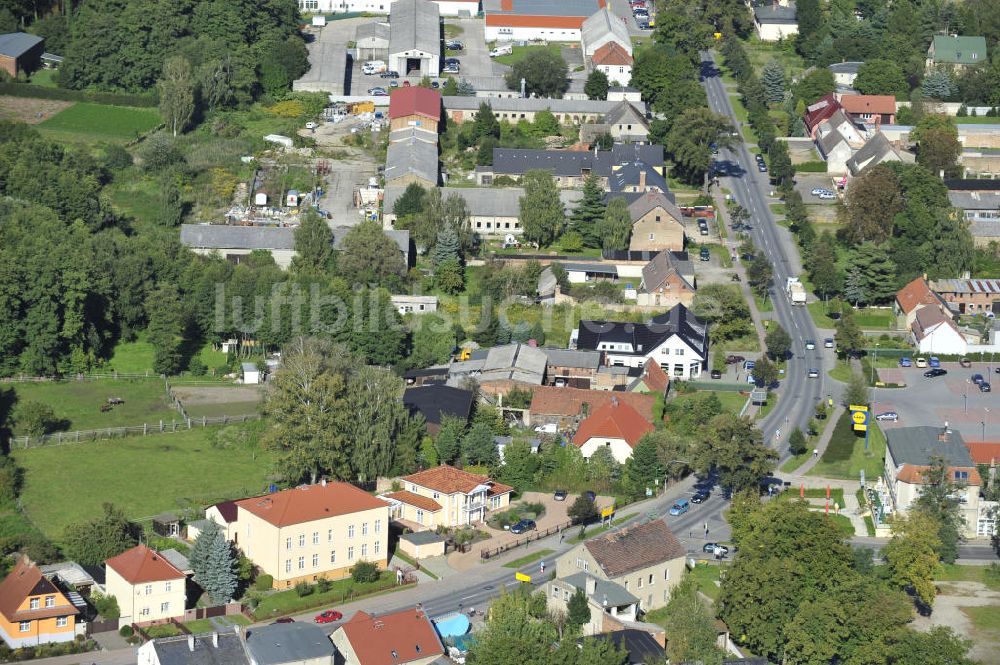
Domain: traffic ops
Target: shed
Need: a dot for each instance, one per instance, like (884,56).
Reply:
(167,525)
(251,375)
(20,52)
(292,198)
(372,41)
(422,544)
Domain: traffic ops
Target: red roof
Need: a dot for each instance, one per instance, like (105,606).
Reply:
(820,111)
(914,294)
(26,580)
(525,21)
(654,377)
(917,475)
(142,564)
(415,500)
(610,54)
(568,402)
(857,104)
(414,100)
(614,420)
(310,502)
(984,452)
(392,639)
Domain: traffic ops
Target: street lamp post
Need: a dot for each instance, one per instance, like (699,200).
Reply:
(983,423)
(965,402)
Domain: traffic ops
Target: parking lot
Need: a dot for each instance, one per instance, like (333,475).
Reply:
(806,182)
(952,398)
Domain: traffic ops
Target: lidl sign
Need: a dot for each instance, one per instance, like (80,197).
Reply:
(859,416)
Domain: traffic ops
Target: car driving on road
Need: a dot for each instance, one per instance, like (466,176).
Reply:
(329,616)
(680,507)
(810,345)
(985,387)
(709,548)
(813,373)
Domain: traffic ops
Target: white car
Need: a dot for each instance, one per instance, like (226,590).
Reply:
(549,428)
(813,373)
(311,125)
(817,191)
(810,345)
(827,196)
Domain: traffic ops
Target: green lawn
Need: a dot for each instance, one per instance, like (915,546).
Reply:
(92,122)
(77,404)
(199,626)
(760,53)
(142,475)
(977,120)
(44,78)
(763,304)
(777,208)
(841,371)
(289,602)
(987,575)
(162,630)
(527,558)
(842,522)
(136,357)
(871,319)
(706,577)
(794,462)
(518,53)
(845,456)
(732,402)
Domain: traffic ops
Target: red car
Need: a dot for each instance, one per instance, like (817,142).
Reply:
(329,616)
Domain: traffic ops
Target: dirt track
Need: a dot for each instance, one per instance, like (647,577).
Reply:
(948,606)
(216,395)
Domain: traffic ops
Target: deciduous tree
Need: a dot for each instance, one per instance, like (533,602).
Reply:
(615,228)
(597,85)
(101,538)
(881,77)
(911,555)
(542,213)
(544,72)
(778,341)
(872,202)
(177,94)
(689,622)
(313,244)
(368,255)
(735,448)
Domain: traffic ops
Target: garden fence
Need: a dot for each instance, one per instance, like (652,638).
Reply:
(81,377)
(146,429)
(529,537)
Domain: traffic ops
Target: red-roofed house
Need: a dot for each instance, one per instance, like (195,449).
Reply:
(615,62)
(33,610)
(148,588)
(311,531)
(875,109)
(406,637)
(615,425)
(414,106)
(822,110)
(984,452)
(513,20)
(913,297)
(446,496)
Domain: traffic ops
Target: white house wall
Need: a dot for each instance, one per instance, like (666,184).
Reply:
(620,449)
(505,34)
(617,74)
(381,6)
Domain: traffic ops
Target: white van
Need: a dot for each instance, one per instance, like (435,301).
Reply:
(506,49)
(373,67)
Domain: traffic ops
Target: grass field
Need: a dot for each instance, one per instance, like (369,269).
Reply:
(987,575)
(527,558)
(137,357)
(845,455)
(871,319)
(86,121)
(794,462)
(77,404)
(518,53)
(199,626)
(142,475)
(732,402)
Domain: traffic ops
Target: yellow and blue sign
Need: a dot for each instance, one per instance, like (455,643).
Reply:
(859,416)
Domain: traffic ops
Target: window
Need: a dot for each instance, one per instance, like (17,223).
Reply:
(315,537)
(413,488)
(639,582)
(364,550)
(378,526)
(350,531)
(144,612)
(626,585)
(333,556)
(33,604)
(288,543)
(302,563)
(166,586)
(650,236)
(302,540)
(164,607)
(555,591)
(62,622)
(420,516)
(288,565)
(378,547)
(666,574)
(657,218)
(678,352)
(149,589)
(50,601)
(25,627)
(961,475)
(315,560)
(329,535)
(651,579)
(364,528)
(436,495)
(350,554)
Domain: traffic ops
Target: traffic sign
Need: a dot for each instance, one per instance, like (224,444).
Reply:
(521,577)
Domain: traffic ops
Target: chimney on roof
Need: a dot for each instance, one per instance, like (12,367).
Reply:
(190,642)
(591,586)
(642,180)
(614,401)
(215,639)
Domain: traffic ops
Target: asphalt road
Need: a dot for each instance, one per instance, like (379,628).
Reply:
(751,189)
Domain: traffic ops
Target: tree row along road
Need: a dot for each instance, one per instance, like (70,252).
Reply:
(751,189)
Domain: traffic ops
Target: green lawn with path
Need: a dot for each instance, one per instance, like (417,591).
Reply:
(143,475)
(527,558)
(282,603)
(986,575)
(732,402)
(845,455)
(199,626)
(100,122)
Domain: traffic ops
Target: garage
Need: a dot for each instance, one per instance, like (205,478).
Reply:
(415,38)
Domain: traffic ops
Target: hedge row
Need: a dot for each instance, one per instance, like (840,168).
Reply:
(114,99)
(811,167)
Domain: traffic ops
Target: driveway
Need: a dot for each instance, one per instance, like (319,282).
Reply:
(351,169)
(475,57)
(328,56)
(806,182)
(952,398)
(621,8)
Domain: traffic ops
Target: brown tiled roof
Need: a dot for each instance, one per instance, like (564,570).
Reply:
(915,474)
(414,499)
(915,293)
(881,104)
(614,420)
(228,511)
(392,639)
(449,480)
(621,552)
(611,54)
(821,110)
(984,452)
(310,502)
(26,580)
(655,378)
(142,564)
(568,402)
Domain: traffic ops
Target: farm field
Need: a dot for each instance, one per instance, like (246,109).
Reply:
(99,122)
(142,475)
(31,111)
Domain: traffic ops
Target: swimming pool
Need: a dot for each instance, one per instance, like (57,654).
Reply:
(452,625)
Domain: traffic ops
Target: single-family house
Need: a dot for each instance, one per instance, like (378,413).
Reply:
(609,602)
(909,454)
(576,369)
(149,589)
(414,106)
(916,295)
(503,365)
(774,21)
(435,402)
(969,296)
(956,52)
(406,637)
(566,407)
(677,340)
(411,160)
(876,151)
(517,20)
(978,201)
(312,531)
(646,560)
(666,281)
(870,109)
(819,111)
(446,496)
(33,610)
(625,122)
(656,224)
(20,52)
(615,61)
(414,304)
(616,426)
(604,27)
(934,331)
(844,73)
(415,38)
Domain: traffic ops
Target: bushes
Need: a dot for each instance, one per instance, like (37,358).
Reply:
(106,606)
(126,631)
(364,572)
(115,99)
(302,589)
(264,582)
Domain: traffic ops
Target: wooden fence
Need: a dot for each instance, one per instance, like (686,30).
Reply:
(163,427)
(81,377)
(528,537)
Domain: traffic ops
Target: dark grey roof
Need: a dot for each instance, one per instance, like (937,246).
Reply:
(775,14)
(655,273)
(599,268)
(845,67)
(871,153)
(631,175)
(422,537)
(644,337)
(625,113)
(177,560)
(647,201)
(640,646)
(517,161)
(222,236)
(411,156)
(176,650)
(615,593)
(485,201)
(978,200)
(376,31)
(16,44)
(918,445)
(415,25)
(436,401)
(288,643)
(972,184)
(572,358)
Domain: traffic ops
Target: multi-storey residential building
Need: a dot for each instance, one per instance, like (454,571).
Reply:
(312,531)
(148,588)
(33,610)
(446,496)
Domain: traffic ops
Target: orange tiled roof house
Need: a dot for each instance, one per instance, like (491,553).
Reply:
(33,610)
(446,496)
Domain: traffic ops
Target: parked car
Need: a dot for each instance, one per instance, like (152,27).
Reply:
(452,61)
(680,507)
(762,167)
(933,361)
(377,92)
(390,74)
(827,196)
(329,616)
(560,495)
(887,416)
(750,364)
(997,370)
(985,387)
(284,620)
(977,379)
(704,254)
(709,548)
(700,497)
(905,362)
(393,83)
(716,374)
(548,428)
(451,69)
(813,373)
(816,191)
(523,526)
(921,362)
(454,45)
(733,360)
(937,371)
(810,345)
(828,343)
(965,362)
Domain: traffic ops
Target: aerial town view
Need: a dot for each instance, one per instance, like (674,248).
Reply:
(500,332)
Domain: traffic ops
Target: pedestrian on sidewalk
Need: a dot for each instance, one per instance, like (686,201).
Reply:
(706,529)
(815,452)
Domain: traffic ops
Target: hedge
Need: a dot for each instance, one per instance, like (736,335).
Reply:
(811,167)
(111,98)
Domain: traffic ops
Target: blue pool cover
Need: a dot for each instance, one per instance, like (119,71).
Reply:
(452,625)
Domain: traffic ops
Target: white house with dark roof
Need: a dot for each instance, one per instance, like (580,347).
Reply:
(605,598)
(844,73)
(513,109)
(774,20)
